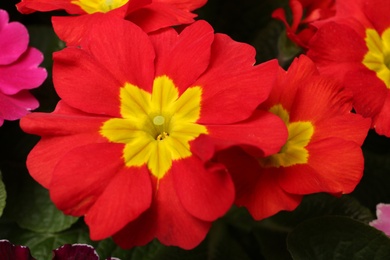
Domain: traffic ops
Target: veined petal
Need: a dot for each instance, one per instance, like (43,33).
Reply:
(166,219)
(30,6)
(212,191)
(127,195)
(256,188)
(75,65)
(351,127)
(160,15)
(139,56)
(230,74)
(188,57)
(102,162)
(263,131)
(324,172)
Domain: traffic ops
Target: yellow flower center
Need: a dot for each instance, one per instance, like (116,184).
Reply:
(294,151)
(99,6)
(378,56)
(156,128)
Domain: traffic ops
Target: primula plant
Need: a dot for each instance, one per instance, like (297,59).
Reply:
(194,129)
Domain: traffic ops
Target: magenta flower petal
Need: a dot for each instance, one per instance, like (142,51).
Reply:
(383,221)
(19,70)
(13,39)
(15,106)
(23,73)
(10,251)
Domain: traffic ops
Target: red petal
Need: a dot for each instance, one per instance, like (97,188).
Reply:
(82,175)
(323,96)
(230,74)
(127,195)
(188,57)
(61,132)
(350,127)
(369,92)
(29,6)
(382,121)
(302,69)
(377,12)
(159,15)
(99,93)
(257,188)
(184,4)
(334,166)
(263,130)
(206,192)
(166,219)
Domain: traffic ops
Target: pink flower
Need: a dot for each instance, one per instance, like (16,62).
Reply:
(383,221)
(19,70)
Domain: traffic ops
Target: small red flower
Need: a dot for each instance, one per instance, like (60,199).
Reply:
(129,144)
(150,15)
(355,50)
(305,13)
(322,153)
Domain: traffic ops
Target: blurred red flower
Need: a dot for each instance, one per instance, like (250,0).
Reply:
(305,13)
(150,15)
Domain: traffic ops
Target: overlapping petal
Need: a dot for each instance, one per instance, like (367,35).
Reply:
(322,152)
(345,49)
(134,152)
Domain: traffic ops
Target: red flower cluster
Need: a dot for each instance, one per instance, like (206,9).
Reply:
(159,133)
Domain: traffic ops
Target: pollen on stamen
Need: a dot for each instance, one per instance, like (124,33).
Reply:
(158,120)
(162,136)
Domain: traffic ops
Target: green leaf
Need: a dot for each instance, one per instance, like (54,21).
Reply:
(337,238)
(32,209)
(322,204)
(3,196)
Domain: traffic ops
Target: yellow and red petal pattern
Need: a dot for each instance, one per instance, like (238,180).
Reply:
(324,172)
(149,96)
(310,160)
(359,59)
(116,194)
(171,225)
(78,65)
